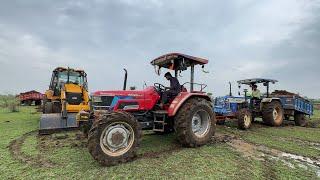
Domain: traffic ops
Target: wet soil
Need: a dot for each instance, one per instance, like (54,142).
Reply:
(16,153)
(247,150)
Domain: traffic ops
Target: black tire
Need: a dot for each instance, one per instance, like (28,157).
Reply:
(268,113)
(29,102)
(183,122)
(95,142)
(48,107)
(300,119)
(244,119)
(38,102)
(56,107)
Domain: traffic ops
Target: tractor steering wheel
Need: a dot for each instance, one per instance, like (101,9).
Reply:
(159,87)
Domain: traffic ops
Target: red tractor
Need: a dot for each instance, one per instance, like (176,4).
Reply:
(119,116)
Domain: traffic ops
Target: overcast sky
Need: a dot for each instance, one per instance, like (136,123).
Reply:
(277,39)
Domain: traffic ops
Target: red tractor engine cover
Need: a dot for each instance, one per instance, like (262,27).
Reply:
(144,100)
(131,100)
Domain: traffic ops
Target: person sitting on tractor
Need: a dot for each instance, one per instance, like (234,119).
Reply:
(256,94)
(172,91)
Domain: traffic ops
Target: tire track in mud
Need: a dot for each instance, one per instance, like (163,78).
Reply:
(157,154)
(302,142)
(15,147)
(265,154)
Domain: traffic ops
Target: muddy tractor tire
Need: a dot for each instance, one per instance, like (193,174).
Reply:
(195,123)
(114,138)
(272,113)
(244,119)
(300,119)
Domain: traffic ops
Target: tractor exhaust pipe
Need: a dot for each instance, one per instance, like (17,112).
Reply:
(230,89)
(125,79)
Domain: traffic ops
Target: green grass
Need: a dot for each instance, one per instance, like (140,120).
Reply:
(71,160)
(316,114)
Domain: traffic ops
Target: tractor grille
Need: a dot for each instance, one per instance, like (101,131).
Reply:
(102,101)
(74,98)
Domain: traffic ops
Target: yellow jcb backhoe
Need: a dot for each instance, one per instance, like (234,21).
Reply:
(67,95)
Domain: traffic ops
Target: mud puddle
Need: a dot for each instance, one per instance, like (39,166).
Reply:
(263,153)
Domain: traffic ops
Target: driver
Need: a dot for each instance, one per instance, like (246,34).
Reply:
(172,91)
(256,94)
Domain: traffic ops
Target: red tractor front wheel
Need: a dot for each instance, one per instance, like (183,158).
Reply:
(114,138)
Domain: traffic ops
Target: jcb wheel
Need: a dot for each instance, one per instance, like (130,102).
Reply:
(300,119)
(48,106)
(114,138)
(272,113)
(195,123)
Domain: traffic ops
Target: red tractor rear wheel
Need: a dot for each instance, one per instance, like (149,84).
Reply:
(195,122)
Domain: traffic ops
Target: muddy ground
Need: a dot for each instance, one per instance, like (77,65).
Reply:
(45,144)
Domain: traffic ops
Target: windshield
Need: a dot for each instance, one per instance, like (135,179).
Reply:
(74,77)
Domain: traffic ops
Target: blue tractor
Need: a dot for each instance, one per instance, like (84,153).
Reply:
(273,108)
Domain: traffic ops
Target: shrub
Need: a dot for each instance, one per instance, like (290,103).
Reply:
(10,102)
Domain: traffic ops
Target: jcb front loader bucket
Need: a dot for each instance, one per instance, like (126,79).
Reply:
(51,123)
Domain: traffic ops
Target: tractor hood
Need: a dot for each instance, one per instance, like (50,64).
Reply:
(125,99)
(133,93)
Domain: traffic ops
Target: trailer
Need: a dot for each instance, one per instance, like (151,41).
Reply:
(27,98)
(294,106)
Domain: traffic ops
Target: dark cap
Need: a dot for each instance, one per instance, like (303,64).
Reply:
(168,74)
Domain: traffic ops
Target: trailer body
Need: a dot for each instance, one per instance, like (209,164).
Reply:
(27,98)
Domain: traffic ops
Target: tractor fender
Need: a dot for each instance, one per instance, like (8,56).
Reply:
(181,99)
(268,100)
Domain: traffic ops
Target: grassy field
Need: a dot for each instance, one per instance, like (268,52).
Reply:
(260,153)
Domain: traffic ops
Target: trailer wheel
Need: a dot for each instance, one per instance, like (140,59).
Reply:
(114,138)
(195,123)
(272,113)
(38,102)
(300,119)
(244,119)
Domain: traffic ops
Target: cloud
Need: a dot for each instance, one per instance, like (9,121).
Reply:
(241,39)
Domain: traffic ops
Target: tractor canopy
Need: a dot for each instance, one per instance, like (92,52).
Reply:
(178,61)
(256,81)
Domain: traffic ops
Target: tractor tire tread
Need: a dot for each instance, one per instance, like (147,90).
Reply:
(183,122)
(241,114)
(267,113)
(95,133)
